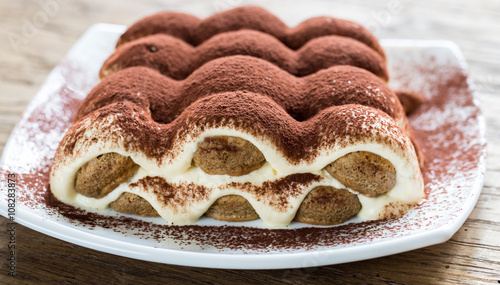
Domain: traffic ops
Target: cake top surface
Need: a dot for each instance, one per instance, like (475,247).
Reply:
(195,31)
(178,59)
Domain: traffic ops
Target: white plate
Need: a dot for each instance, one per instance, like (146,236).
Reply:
(450,127)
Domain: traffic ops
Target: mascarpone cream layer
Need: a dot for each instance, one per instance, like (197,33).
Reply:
(179,171)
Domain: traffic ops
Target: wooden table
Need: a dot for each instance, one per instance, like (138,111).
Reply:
(472,255)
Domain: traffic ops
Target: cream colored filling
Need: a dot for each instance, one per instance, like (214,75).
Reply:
(408,189)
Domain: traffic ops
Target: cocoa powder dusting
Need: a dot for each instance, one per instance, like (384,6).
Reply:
(167,98)
(176,196)
(279,191)
(196,31)
(220,237)
(176,59)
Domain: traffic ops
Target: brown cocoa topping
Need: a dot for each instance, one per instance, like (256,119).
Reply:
(304,96)
(176,196)
(196,31)
(176,59)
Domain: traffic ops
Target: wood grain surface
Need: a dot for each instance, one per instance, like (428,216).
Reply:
(471,256)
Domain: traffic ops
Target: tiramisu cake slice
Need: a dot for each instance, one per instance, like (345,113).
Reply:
(238,117)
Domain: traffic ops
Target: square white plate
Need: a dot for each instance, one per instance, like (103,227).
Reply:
(450,128)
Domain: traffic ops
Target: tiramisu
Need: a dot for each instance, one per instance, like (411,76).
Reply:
(239,117)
